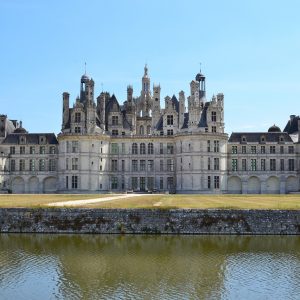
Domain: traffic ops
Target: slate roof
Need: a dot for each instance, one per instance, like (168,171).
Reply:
(203,118)
(255,137)
(175,103)
(110,104)
(159,125)
(31,138)
(292,125)
(185,120)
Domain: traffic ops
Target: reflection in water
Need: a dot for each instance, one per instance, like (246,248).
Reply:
(149,267)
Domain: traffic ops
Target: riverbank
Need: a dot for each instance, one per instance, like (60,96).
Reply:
(149,221)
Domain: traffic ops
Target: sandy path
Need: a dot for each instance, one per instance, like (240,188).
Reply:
(91,201)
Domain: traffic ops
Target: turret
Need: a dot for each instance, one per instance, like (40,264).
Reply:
(181,109)
(145,82)
(201,79)
(65,117)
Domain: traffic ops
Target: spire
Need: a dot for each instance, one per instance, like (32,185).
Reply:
(145,71)
(85,68)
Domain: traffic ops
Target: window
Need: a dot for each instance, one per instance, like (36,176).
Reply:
(77,117)
(115,132)
(75,146)
(161,148)
(150,165)
(213,116)
(282,165)
(67,182)
(161,183)
(42,150)
(170,132)
(263,165)
(208,182)
(291,165)
(169,119)
(234,164)
(114,120)
(22,165)
(142,148)
(52,165)
(13,165)
(67,164)
(253,149)
(208,146)
(234,149)
(114,165)
(114,148)
(281,149)
(213,129)
(253,165)
(272,149)
(244,149)
(291,149)
(216,164)
(123,165)
(142,165)
(263,149)
(141,130)
(77,129)
(217,182)
(161,165)
(134,148)
(170,165)
(75,163)
(42,165)
(170,148)
(74,182)
(216,146)
(22,150)
(52,150)
(114,183)
(32,150)
(134,183)
(208,163)
(244,165)
(148,129)
(150,183)
(272,164)
(134,165)
(150,148)
(32,165)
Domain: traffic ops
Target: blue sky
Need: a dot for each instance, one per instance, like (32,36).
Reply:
(249,50)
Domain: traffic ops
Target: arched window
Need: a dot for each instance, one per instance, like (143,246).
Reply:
(141,130)
(134,148)
(150,148)
(148,129)
(142,148)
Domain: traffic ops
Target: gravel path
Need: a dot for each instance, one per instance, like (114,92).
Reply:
(97,200)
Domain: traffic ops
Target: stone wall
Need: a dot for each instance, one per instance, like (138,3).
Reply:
(148,221)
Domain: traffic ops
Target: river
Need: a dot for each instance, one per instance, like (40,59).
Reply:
(36,266)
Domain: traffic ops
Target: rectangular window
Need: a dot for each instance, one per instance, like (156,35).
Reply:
(170,165)
(263,149)
(115,132)
(234,149)
(169,119)
(142,183)
(291,149)
(208,146)
(244,149)
(161,165)
(12,150)
(142,165)
(208,182)
(253,149)
(13,165)
(42,165)
(263,165)
(75,163)
(253,165)
(22,150)
(134,165)
(208,163)
(114,148)
(214,116)
(244,165)
(151,165)
(32,165)
(67,182)
(281,149)
(134,183)
(67,164)
(77,129)
(123,148)
(52,165)
(75,147)
(272,164)
(114,165)
(291,165)
(32,150)
(170,132)
(42,150)
(150,183)
(282,165)
(216,164)
(52,150)
(22,165)
(123,165)
(272,149)
(161,183)
(77,117)
(213,129)
(114,120)
(161,148)
(216,146)
(217,182)
(234,164)
(74,182)
(170,148)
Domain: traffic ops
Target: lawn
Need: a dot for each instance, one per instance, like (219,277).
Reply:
(160,201)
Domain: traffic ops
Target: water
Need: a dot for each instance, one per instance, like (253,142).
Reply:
(149,267)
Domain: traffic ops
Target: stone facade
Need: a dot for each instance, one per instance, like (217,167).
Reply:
(140,146)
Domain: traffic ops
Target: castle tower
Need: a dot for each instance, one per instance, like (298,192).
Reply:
(65,116)
(201,79)
(156,105)
(181,109)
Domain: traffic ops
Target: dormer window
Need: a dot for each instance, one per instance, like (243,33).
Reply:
(77,117)
(169,119)
(42,140)
(214,116)
(281,139)
(262,139)
(22,140)
(244,140)
(114,120)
